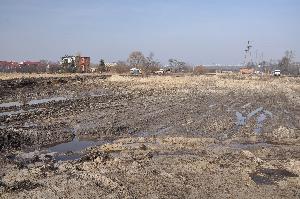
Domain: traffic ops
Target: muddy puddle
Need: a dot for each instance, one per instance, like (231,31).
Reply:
(12,113)
(75,145)
(46,100)
(261,116)
(10,104)
(67,151)
(240,119)
(51,99)
(73,150)
(260,122)
(32,102)
(270,176)
(9,113)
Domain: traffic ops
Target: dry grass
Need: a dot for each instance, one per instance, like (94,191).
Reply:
(7,76)
(221,84)
(213,84)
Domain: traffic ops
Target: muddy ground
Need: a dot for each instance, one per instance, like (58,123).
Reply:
(224,136)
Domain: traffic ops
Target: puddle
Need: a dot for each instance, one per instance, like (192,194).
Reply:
(12,113)
(32,102)
(241,120)
(75,146)
(260,120)
(270,176)
(10,104)
(46,100)
(73,150)
(18,112)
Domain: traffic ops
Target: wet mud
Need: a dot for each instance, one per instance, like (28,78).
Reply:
(154,137)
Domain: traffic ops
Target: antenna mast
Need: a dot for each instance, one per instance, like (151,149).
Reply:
(248,54)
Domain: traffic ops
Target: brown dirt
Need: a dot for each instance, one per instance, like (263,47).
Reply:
(170,137)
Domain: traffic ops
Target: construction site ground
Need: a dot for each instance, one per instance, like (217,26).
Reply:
(103,136)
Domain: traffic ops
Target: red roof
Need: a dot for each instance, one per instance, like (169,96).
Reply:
(8,63)
(31,63)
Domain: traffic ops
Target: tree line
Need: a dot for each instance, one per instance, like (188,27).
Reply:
(148,64)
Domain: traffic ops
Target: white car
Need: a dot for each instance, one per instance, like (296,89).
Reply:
(160,72)
(276,73)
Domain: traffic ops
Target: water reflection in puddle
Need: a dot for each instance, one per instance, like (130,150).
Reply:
(32,102)
(10,104)
(241,120)
(12,113)
(75,146)
(18,112)
(260,120)
(46,100)
(73,150)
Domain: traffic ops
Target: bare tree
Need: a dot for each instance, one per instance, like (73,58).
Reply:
(178,66)
(151,65)
(136,59)
(285,64)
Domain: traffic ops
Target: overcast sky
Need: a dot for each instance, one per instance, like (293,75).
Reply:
(195,31)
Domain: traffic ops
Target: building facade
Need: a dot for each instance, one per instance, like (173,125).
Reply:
(76,63)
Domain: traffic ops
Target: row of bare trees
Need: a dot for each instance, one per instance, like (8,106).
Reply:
(137,59)
(286,65)
(148,64)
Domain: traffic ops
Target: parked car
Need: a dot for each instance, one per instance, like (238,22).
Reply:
(160,72)
(135,71)
(276,73)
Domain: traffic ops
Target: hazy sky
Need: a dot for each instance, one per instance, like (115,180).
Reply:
(195,31)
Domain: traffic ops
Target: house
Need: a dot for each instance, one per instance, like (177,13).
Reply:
(25,66)
(8,66)
(76,63)
(32,66)
(84,64)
